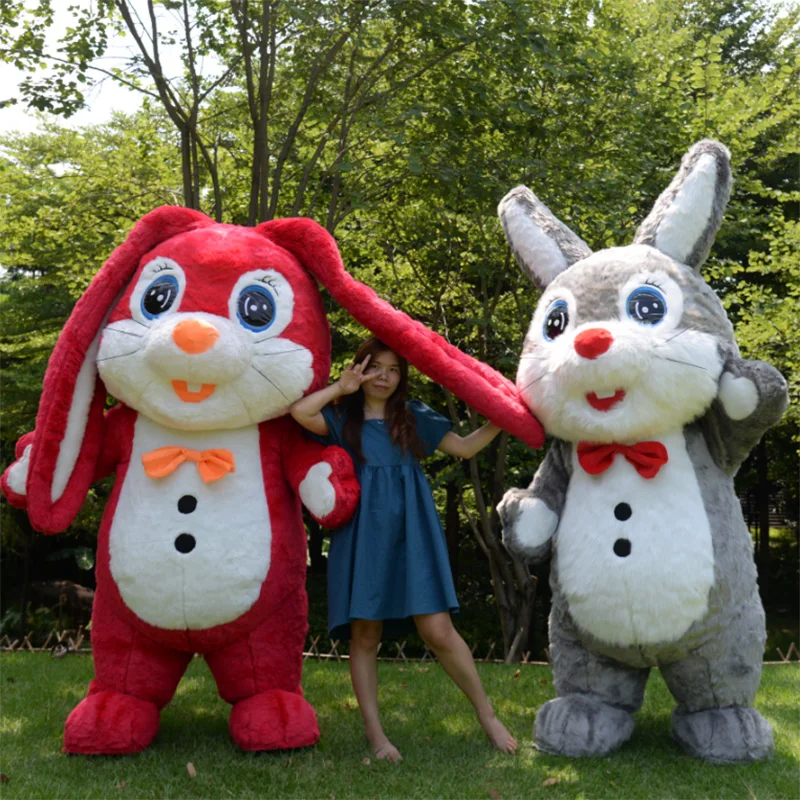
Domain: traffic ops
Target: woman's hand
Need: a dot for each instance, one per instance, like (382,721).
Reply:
(354,375)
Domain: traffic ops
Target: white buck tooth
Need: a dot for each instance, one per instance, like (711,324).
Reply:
(605,395)
(194,387)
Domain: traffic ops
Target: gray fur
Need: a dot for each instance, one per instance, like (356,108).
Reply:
(649,229)
(549,484)
(581,725)
(732,735)
(731,441)
(523,201)
(713,669)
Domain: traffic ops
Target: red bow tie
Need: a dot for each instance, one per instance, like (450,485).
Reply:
(646,457)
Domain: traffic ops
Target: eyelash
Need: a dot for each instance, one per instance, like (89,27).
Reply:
(271,282)
(650,282)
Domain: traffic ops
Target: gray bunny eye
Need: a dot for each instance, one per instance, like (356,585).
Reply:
(556,321)
(646,305)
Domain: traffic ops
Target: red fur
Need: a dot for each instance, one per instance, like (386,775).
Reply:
(482,387)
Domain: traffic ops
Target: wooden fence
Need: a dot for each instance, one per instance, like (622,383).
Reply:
(62,643)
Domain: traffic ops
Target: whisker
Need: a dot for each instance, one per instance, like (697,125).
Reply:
(140,323)
(127,333)
(258,341)
(535,380)
(679,333)
(281,352)
(120,355)
(270,382)
(534,357)
(685,363)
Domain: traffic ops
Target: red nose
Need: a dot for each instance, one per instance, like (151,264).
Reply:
(593,343)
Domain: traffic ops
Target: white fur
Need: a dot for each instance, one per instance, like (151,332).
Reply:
(739,396)
(535,524)
(654,594)
(689,213)
(316,490)
(221,578)
(669,375)
(538,251)
(257,377)
(77,418)
(18,472)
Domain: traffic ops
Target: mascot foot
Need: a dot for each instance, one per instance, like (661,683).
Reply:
(274,720)
(579,725)
(733,735)
(111,724)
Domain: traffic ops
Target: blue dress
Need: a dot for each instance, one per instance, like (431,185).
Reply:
(390,561)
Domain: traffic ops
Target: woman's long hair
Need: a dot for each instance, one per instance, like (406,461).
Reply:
(401,420)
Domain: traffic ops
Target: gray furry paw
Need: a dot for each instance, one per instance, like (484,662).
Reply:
(734,735)
(528,524)
(581,725)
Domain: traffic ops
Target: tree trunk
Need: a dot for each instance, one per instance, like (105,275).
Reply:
(763,514)
(318,561)
(452,526)
(21,518)
(514,586)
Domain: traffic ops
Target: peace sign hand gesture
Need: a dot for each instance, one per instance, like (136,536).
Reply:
(353,376)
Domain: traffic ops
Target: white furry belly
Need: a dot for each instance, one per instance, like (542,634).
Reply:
(220,578)
(655,592)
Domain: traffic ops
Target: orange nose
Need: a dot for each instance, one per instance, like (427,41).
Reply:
(195,336)
(593,343)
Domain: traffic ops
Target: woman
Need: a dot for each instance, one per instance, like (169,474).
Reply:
(388,569)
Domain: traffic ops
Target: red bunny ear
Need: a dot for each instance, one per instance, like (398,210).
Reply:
(477,384)
(69,424)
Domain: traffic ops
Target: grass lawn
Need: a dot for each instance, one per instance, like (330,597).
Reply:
(446,754)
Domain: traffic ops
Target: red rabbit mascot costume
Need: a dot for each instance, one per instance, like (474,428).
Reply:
(206,333)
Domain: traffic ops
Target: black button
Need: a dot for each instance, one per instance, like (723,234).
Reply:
(622,547)
(187,504)
(622,511)
(185,543)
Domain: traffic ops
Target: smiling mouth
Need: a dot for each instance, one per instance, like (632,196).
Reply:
(605,403)
(193,392)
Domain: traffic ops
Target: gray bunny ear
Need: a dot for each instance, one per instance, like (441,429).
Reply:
(688,213)
(542,244)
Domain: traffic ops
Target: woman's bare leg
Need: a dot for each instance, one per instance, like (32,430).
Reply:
(365,636)
(439,634)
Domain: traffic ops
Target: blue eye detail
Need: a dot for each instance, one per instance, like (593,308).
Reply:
(556,321)
(159,296)
(255,308)
(646,305)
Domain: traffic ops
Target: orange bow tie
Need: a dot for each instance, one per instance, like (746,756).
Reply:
(211,464)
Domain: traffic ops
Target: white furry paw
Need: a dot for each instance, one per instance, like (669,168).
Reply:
(316,490)
(18,472)
(739,396)
(527,522)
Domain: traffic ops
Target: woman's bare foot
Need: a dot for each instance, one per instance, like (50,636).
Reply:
(500,738)
(384,750)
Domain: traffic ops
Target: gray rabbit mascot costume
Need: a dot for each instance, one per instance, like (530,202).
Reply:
(631,364)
